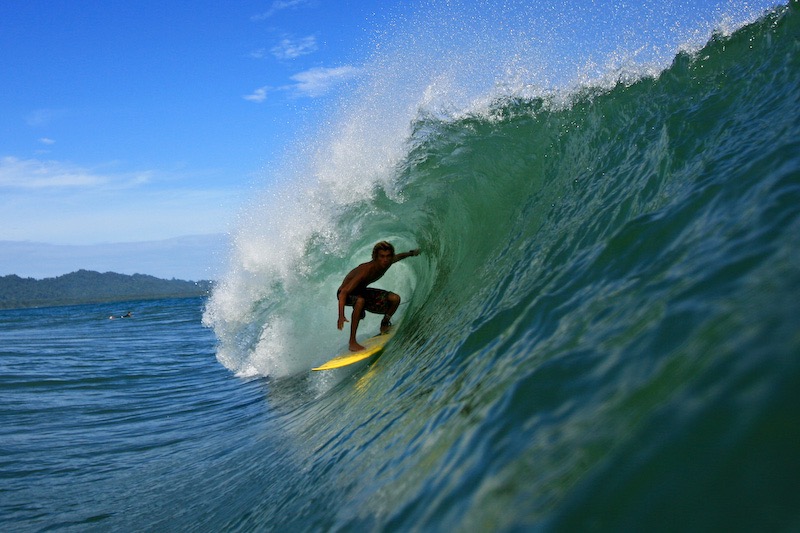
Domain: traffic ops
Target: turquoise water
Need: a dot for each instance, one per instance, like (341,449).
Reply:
(600,333)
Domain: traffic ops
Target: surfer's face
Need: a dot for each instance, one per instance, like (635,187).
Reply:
(384,258)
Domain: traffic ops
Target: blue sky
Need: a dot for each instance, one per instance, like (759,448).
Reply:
(133,121)
(145,121)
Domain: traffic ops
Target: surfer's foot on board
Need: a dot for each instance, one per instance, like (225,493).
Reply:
(386,325)
(355,347)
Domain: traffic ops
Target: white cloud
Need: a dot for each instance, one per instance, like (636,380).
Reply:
(18,173)
(281,5)
(43,117)
(291,49)
(46,140)
(60,202)
(320,80)
(36,174)
(114,214)
(257,96)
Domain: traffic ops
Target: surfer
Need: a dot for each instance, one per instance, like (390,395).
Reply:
(355,293)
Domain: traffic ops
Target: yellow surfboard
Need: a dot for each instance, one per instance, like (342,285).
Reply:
(371,347)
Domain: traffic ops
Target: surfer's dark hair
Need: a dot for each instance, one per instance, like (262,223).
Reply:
(380,247)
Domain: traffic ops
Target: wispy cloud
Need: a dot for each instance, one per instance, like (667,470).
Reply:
(257,96)
(47,140)
(43,117)
(318,81)
(60,202)
(291,49)
(311,83)
(85,216)
(18,173)
(281,5)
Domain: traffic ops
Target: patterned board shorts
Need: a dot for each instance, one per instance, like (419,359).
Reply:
(377,300)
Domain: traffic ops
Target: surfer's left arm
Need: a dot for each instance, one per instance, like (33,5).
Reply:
(401,256)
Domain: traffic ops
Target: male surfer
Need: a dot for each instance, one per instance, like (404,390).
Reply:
(354,291)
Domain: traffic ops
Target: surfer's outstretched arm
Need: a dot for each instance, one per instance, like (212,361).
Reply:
(410,253)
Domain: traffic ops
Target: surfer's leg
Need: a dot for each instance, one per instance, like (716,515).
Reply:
(393,301)
(358,310)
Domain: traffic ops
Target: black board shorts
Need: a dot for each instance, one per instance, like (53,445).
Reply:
(376,300)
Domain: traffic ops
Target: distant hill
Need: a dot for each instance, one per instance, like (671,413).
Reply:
(188,257)
(86,286)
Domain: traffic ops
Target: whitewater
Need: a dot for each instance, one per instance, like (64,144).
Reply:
(599,334)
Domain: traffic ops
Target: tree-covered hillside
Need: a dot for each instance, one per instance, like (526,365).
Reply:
(85,286)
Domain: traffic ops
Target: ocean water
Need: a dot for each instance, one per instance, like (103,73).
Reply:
(600,334)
